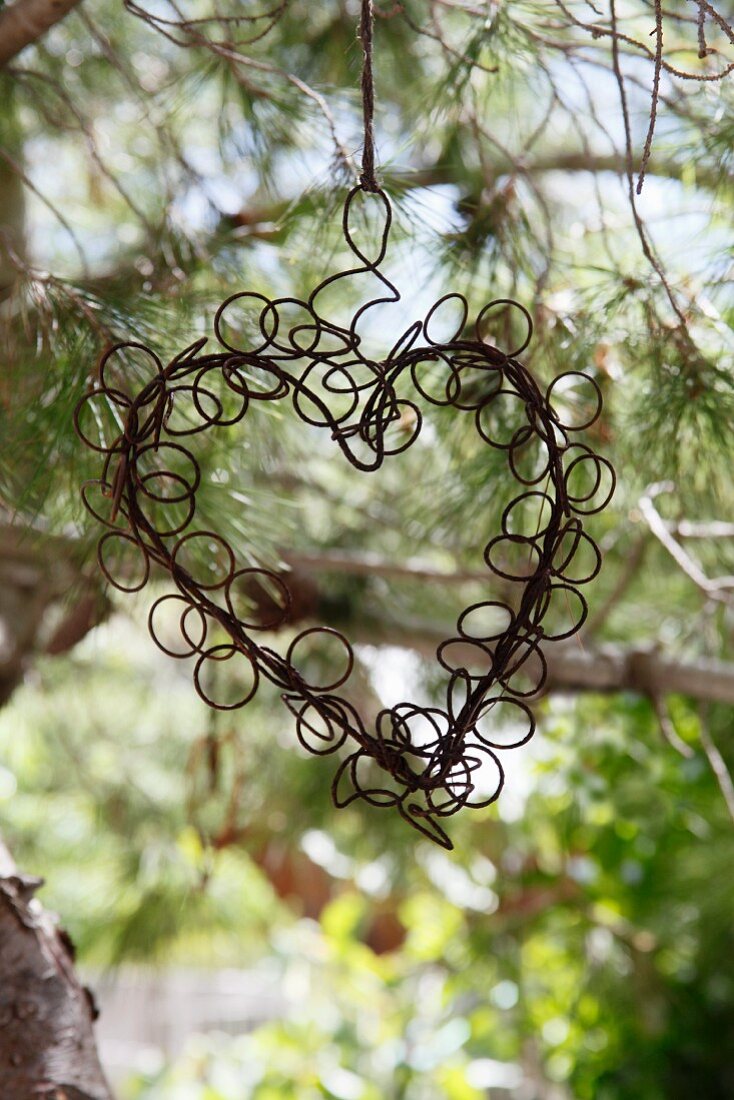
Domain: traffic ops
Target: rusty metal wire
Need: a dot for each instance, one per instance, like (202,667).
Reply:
(426,762)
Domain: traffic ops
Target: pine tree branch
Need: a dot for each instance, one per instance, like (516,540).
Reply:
(374,565)
(603,669)
(715,588)
(264,220)
(38,573)
(704,176)
(606,670)
(25,21)
(571,667)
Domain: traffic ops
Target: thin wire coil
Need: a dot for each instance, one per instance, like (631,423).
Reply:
(432,760)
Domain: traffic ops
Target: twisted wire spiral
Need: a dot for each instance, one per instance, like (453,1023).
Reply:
(430,760)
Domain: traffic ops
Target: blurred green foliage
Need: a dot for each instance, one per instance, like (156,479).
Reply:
(579,936)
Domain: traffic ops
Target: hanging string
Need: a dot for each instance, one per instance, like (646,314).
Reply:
(701,24)
(368,179)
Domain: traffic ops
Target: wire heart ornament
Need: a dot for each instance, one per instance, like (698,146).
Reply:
(425,761)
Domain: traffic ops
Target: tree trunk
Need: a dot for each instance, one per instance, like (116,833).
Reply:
(47,1046)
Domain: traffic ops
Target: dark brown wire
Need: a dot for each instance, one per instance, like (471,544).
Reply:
(425,761)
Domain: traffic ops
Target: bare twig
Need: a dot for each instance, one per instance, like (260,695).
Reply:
(645,244)
(718,766)
(712,529)
(715,588)
(667,729)
(655,93)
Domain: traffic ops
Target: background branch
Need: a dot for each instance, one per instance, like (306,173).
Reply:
(25,21)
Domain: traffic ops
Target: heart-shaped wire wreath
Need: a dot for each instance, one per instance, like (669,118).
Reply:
(432,753)
(439,758)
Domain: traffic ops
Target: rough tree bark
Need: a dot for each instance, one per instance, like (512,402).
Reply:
(47,1046)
